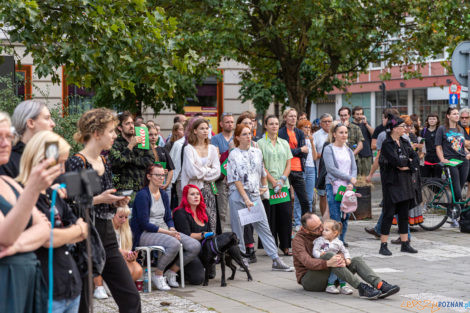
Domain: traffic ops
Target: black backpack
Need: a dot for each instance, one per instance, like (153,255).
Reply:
(464,222)
(321,180)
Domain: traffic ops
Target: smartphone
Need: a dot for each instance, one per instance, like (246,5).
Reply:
(125,193)
(51,150)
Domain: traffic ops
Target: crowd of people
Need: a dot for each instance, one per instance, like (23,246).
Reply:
(190,186)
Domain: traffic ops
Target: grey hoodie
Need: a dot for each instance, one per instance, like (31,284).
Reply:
(332,168)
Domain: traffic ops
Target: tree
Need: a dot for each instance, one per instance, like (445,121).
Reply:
(127,51)
(314,46)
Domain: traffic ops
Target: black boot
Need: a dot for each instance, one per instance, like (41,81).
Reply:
(384,249)
(405,247)
(250,251)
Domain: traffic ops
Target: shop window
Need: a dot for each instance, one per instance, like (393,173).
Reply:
(423,107)
(23,81)
(358,99)
(75,99)
(397,99)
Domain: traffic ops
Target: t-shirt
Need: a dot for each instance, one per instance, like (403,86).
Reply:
(275,157)
(157,213)
(452,141)
(430,144)
(377,131)
(245,166)
(309,161)
(344,165)
(295,164)
(319,138)
(354,136)
(220,142)
(366,148)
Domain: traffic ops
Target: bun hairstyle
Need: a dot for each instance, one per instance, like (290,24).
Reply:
(92,121)
(393,121)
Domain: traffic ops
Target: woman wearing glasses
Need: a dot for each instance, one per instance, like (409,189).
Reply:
(152,225)
(397,162)
(341,170)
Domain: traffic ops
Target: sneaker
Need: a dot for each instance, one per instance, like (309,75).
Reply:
(345,290)
(332,289)
(384,249)
(279,265)
(246,261)
(160,283)
(100,293)
(368,292)
(252,258)
(388,290)
(371,230)
(454,223)
(171,279)
(396,241)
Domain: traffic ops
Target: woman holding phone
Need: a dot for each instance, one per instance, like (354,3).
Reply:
(96,130)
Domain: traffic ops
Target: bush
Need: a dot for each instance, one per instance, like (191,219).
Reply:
(8,99)
(66,126)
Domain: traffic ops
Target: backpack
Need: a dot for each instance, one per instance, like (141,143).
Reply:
(349,202)
(464,222)
(320,184)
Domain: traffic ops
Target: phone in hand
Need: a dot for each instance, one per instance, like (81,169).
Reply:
(51,151)
(126,193)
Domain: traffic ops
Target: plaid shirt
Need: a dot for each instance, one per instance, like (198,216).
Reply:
(128,166)
(354,136)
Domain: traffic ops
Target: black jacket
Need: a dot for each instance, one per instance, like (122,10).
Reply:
(300,143)
(12,168)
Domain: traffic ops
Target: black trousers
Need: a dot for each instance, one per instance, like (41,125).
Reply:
(459,176)
(280,222)
(115,273)
(400,208)
(248,236)
(431,171)
(296,179)
(194,272)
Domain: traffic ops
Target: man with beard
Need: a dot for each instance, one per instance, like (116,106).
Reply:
(128,163)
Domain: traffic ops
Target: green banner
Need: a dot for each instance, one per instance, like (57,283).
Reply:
(143,133)
(214,188)
(454,162)
(341,190)
(163,164)
(280,197)
(223,167)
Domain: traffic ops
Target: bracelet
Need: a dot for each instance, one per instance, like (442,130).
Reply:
(264,186)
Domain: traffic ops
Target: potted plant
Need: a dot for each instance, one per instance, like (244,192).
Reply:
(364,203)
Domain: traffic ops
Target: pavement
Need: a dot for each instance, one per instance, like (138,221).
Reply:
(437,273)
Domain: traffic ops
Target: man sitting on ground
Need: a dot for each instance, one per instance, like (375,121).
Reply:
(313,273)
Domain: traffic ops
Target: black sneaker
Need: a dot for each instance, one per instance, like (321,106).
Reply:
(384,249)
(368,292)
(252,258)
(405,247)
(388,290)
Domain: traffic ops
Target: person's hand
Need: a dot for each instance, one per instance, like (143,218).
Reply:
(445,161)
(348,262)
(164,187)
(83,227)
(42,177)
(336,261)
(108,197)
(248,203)
(304,149)
(262,190)
(467,156)
(369,178)
(350,187)
(135,140)
(123,202)
(131,256)
(322,253)
(353,180)
(7,251)
(174,233)
(62,192)
(364,120)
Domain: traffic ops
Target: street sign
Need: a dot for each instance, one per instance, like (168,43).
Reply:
(460,62)
(453,99)
(453,88)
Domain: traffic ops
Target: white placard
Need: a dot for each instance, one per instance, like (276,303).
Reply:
(253,215)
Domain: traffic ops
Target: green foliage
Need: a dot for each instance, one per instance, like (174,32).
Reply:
(127,51)
(8,98)
(66,126)
(314,46)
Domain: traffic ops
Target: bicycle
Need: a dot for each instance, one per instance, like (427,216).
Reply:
(438,205)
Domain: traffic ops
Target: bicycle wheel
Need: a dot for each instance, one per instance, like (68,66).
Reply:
(435,202)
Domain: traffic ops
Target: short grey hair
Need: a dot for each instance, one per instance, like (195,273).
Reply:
(464,110)
(29,109)
(325,115)
(4,117)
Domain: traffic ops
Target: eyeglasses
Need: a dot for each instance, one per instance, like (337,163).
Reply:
(465,117)
(327,121)
(7,138)
(158,175)
(316,229)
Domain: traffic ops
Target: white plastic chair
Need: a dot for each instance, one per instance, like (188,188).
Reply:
(160,249)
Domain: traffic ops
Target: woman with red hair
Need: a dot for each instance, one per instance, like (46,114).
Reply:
(191,219)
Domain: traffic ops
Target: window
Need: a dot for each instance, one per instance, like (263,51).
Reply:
(23,81)
(358,99)
(397,99)
(423,107)
(74,98)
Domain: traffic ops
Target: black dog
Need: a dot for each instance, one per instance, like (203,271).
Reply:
(223,248)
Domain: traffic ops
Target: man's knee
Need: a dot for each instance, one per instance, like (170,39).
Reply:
(357,260)
(327,255)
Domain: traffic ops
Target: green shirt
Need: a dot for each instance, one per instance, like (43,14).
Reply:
(275,157)
(354,136)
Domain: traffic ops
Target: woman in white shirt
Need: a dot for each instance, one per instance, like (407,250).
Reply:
(201,167)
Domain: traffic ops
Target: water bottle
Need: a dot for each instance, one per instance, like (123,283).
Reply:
(146,281)
(277,188)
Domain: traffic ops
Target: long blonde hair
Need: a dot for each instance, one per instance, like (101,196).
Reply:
(124,230)
(334,127)
(34,152)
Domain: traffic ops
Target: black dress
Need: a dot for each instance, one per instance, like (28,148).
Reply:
(185,223)
(21,279)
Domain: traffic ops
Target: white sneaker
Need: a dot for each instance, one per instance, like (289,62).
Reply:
(279,265)
(454,223)
(171,279)
(332,289)
(100,293)
(346,290)
(160,283)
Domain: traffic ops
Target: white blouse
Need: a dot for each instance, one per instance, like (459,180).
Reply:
(195,172)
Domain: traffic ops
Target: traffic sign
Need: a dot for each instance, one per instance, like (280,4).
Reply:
(460,62)
(453,99)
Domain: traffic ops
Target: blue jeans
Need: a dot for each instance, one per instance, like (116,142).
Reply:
(378,226)
(332,278)
(66,306)
(335,211)
(310,177)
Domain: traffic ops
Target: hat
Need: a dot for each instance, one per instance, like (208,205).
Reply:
(394,121)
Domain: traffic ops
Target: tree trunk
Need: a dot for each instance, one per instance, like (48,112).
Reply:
(296,93)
